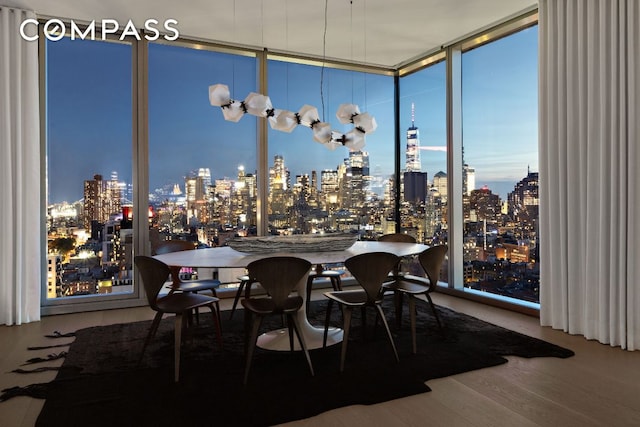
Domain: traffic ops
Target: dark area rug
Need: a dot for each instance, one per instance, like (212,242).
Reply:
(100,383)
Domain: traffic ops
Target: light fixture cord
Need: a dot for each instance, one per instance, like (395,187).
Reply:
(286,37)
(324,56)
(364,3)
(351,53)
(233,60)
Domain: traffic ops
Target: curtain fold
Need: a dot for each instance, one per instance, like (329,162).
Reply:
(590,169)
(20,212)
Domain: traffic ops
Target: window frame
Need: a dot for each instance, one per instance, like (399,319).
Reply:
(140,148)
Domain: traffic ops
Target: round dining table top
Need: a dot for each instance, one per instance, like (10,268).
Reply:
(226,257)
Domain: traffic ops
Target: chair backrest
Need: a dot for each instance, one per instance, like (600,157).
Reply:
(370,270)
(154,275)
(278,275)
(168,246)
(431,260)
(397,237)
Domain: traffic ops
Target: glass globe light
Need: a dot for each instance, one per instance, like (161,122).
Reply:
(219,95)
(354,140)
(308,114)
(346,112)
(233,112)
(283,120)
(257,104)
(322,132)
(365,122)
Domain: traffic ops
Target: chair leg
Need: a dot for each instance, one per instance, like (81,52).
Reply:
(386,326)
(152,332)
(412,314)
(251,345)
(177,333)
(307,302)
(215,313)
(345,335)
(217,303)
(397,299)
(197,310)
(241,286)
(337,283)
(290,330)
(435,313)
(327,318)
(296,326)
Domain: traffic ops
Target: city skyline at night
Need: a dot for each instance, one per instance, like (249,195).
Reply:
(202,170)
(83,123)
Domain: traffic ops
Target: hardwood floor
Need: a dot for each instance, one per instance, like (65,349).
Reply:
(599,386)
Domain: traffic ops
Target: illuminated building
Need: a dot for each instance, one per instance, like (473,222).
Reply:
(101,200)
(413,146)
(440,184)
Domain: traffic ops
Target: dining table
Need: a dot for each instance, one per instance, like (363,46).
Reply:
(226,257)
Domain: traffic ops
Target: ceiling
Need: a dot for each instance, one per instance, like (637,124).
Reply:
(376,32)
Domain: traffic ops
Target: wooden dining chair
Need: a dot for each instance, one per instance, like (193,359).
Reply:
(279,276)
(431,261)
(397,237)
(154,275)
(400,268)
(320,273)
(179,285)
(370,270)
(244,284)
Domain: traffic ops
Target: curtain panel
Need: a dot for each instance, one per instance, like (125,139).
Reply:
(590,168)
(20,211)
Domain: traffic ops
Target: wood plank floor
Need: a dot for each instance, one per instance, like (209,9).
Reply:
(599,386)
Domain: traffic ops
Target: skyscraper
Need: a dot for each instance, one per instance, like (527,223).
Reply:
(413,146)
(101,199)
(278,187)
(357,176)
(329,187)
(195,192)
(468,179)
(440,184)
(314,189)
(523,201)
(205,174)
(415,187)
(278,173)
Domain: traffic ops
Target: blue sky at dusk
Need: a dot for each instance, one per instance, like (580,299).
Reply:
(89,112)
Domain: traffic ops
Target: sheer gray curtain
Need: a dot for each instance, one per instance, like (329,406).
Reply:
(20,214)
(590,168)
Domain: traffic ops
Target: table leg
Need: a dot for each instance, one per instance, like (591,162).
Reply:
(279,339)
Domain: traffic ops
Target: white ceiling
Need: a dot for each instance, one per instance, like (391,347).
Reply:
(377,32)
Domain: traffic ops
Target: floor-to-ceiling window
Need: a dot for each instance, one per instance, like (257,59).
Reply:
(316,188)
(202,168)
(423,155)
(500,166)
(89,168)
(423,158)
